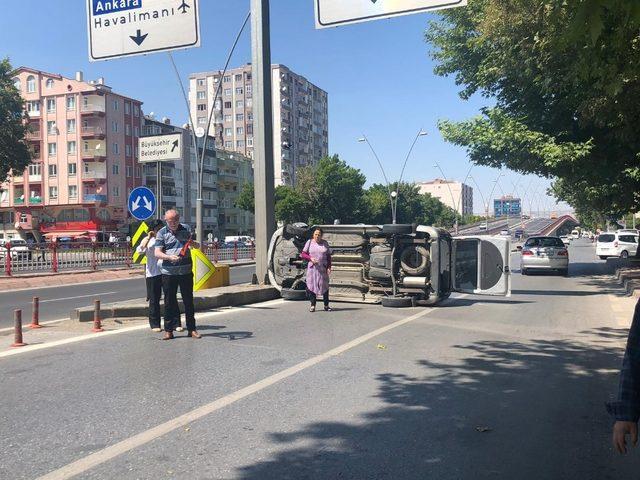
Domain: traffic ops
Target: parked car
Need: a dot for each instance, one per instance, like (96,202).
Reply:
(505,233)
(18,247)
(616,244)
(544,254)
(397,265)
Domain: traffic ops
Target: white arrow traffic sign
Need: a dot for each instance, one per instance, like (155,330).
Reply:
(160,148)
(119,28)
(333,13)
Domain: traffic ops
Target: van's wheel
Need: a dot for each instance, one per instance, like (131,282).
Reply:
(564,272)
(414,260)
(602,257)
(524,271)
(296,230)
(397,302)
(624,254)
(290,294)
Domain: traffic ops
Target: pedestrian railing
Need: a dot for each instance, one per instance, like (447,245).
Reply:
(59,257)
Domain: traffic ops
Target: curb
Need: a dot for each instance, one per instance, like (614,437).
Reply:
(232,296)
(629,278)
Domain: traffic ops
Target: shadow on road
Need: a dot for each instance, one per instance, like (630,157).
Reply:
(506,410)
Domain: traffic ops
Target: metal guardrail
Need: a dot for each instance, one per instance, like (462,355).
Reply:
(60,257)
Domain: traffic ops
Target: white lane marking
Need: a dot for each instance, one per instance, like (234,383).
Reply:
(128,444)
(24,328)
(79,296)
(92,336)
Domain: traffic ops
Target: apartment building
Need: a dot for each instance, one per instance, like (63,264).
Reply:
(455,195)
(84,140)
(300,116)
(224,174)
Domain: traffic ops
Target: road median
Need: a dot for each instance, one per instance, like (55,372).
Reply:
(204,300)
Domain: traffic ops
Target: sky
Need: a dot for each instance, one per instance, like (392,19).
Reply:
(378,75)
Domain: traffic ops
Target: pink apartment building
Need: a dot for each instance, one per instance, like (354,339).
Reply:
(84,138)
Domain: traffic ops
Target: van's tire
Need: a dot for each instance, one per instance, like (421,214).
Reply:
(425,260)
(624,254)
(296,231)
(397,302)
(395,229)
(289,294)
(564,272)
(524,271)
(602,257)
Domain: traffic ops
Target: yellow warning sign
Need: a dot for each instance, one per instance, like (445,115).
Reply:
(202,269)
(139,258)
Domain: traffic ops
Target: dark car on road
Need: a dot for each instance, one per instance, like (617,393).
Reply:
(398,265)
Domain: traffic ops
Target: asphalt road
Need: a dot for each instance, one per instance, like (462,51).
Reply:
(57,302)
(479,388)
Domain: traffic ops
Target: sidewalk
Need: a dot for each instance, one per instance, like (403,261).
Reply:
(48,279)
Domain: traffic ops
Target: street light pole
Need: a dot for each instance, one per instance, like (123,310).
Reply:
(263,134)
(437,165)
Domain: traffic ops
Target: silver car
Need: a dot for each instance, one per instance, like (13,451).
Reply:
(544,254)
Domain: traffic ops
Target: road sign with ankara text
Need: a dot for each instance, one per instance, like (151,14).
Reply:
(120,28)
(333,13)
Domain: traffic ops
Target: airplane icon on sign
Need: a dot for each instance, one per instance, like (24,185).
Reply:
(184,6)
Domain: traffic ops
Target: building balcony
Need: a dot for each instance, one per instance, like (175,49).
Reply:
(34,135)
(94,176)
(18,201)
(35,200)
(93,109)
(35,178)
(100,200)
(98,155)
(93,132)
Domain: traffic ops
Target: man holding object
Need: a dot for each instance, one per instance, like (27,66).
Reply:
(173,245)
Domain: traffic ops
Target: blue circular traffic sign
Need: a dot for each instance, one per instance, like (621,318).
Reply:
(142,203)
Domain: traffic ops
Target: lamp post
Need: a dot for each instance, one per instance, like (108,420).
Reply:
(495,182)
(393,195)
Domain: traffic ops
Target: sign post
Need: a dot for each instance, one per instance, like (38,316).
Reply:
(333,13)
(136,27)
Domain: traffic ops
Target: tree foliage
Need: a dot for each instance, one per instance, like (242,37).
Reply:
(246,199)
(561,76)
(14,152)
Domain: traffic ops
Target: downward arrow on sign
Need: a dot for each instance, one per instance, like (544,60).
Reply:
(147,204)
(138,38)
(136,204)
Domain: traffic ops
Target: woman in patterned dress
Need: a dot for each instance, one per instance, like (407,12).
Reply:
(318,253)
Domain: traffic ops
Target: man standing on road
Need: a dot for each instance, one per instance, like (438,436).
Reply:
(153,274)
(626,410)
(173,244)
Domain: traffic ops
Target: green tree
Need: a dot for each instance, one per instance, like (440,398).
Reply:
(560,75)
(247,200)
(14,152)
(291,206)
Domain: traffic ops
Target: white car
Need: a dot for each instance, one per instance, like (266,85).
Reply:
(616,244)
(19,248)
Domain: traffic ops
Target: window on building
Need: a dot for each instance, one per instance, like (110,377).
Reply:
(239,117)
(51,127)
(72,168)
(250,117)
(138,172)
(31,84)
(239,90)
(249,142)
(115,169)
(115,104)
(250,129)
(228,118)
(71,148)
(71,102)
(129,171)
(136,131)
(114,126)
(51,105)
(53,170)
(33,107)
(228,132)
(18,85)
(116,149)
(136,111)
(239,104)
(71,125)
(227,105)
(127,108)
(202,107)
(227,79)
(52,148)
(240,144)
(228,144)
(53,192)
(128,150)
(227,92)
(73,191)
(201,82)
(202,120)
(115,191)
(239,130)
(201,95)
(49,83)
(35,169)
(249,89)
(127,129)
(249,102)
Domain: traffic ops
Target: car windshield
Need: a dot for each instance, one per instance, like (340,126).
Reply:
(606,238)
(544,242)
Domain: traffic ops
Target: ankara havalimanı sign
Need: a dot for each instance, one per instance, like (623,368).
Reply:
(333,13)
(120,28)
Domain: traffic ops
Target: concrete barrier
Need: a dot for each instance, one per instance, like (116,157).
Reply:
(203,300)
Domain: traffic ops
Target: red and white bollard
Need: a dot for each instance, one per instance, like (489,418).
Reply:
(235,252)
(17,339)
(35,316)
(7,260)
(97,325)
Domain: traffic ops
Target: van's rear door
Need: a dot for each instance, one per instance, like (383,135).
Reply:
(481,265)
